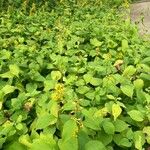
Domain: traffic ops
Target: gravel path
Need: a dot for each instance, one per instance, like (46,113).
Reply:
(140,14)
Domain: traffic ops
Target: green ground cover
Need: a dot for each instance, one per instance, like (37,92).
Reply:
(73,76)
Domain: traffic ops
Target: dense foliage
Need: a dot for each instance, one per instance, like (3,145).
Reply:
(74,78)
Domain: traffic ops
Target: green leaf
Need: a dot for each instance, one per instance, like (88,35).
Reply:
(110,97)
(30,87)
(146,130)
(14,69)
(38,77)
(116,110)
(15,145)
(138,84)
(49,84)
(125,142)
(139,140)
(95,81)
(69,138)
(120,125)
(127,90)
(5,54)
(93,123)
(105,138)
(56,75)
(45,141)
(44,120)
(129,71)
(87,78)
(71,143)
(90,95)
(95,145)
(54,108)
(124,45)
(8,89)
(25,140)
(83,89)
(2,141)
(108,127)
(80,82)
(136,115)
(69,106)
(83,138)
(129,134)
(95,42)
(7,75)
(70,130)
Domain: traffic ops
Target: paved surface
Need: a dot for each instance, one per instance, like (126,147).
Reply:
(140,14)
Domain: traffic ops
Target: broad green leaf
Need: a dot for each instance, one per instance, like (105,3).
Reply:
(129,134)
(145,68)
(105,138)
(108,127)
(111,44)
(116,110)
(83,89)
(70,80)
(145,76)
(90,95)
(84,102)
(109,148)
(45,142)
(7,75)
(70,130)
(124,45)
(80,82)
(44,120)
(15,145)
(110,97)
(8,89)
(5,54)
(127,90)
(38,77)
(101,112)
(25,140)
(14,69)
(95,81)
(19,126)
(95,145)
(54,108)
(69,106)
(56,75)
(120,125)
(117,138)
(30,87)
(83,138)
(2,141)
(129,71)
(146,60)
(71,143)
(69,136)
(1,104)
(146,130)
(93,123)
(49,84)
(136,115)
(125,142)
(139,140)
(87,78)
(95,42)
(138,84)
(93,53)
